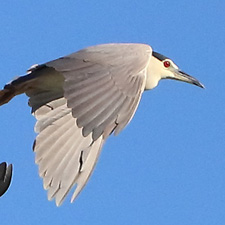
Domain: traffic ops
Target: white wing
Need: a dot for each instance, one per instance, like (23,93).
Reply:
(78,101)
(64,156)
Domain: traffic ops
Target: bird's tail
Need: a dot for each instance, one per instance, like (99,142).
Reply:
(16,87)
(6,95)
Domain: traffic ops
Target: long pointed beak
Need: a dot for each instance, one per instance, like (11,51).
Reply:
(182,76)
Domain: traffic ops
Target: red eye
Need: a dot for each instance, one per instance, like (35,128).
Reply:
(166,64)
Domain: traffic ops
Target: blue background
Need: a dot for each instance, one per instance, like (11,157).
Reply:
(168,165)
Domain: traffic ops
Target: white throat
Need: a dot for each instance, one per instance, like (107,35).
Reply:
(154,73)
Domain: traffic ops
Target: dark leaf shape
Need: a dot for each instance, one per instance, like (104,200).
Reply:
(5,177)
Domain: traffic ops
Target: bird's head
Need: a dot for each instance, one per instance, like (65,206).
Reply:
(162,67)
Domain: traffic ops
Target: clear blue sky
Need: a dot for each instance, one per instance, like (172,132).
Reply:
(168,166)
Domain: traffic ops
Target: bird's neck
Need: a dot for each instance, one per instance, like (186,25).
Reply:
(154,74)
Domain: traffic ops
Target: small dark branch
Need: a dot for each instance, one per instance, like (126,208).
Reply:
(5,177)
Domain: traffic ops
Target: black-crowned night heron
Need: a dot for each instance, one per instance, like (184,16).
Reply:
(80,99)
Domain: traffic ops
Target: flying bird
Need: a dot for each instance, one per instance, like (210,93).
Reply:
(82,98)
(5,177)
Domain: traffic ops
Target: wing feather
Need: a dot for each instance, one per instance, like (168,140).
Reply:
(46,140)
(82,104)
(76,91)
(100,121)
(54,145)
(102,87)
(97,107)
(59,148)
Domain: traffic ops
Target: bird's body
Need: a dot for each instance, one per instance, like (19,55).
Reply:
(79,100)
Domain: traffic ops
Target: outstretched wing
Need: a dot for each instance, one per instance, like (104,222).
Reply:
(103,85)
(79,100)
(64,156)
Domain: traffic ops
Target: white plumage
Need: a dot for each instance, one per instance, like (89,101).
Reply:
(79,100)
